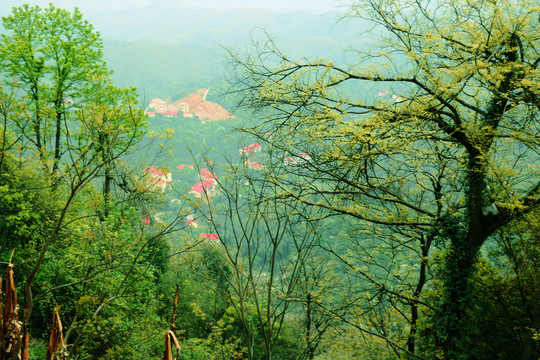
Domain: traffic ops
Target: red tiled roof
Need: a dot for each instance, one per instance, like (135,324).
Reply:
(255,165)
(207,174)
(200,186)
(155,171)
(210,236)
(250,148)
(204,109)
(151,169)
(290,161)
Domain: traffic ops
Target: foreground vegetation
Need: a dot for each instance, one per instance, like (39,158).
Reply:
(395,217)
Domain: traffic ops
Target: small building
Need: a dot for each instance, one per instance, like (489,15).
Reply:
(250,149)
(210,236)
(290,161)
(158,104)
(183,107)
(192,223)
(206,188)
(158,178)
(171,113)
(205,174)
(255,165)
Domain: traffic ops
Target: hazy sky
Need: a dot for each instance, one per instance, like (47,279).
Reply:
(95,6)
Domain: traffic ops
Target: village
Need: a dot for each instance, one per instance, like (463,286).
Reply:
(193,105)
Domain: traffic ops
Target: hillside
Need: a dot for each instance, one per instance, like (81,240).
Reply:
(159,70)
(168,48)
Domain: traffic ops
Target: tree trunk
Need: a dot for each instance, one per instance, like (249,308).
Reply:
(311,348)
(456,319)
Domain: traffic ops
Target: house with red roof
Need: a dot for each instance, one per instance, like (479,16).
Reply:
(290,161)
(181,166)
(299,159)
(250,149)
(255,165)
(205,188)
(192,223)
(205,174)
(158,178)
(210,236)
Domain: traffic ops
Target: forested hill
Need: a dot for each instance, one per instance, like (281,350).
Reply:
(159,70)
(171,49)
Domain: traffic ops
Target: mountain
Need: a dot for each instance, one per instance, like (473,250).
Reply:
(172,48)
(172,51)
(176,24)
(159,70)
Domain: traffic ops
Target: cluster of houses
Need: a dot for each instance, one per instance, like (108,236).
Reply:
(158,179)
(193,105)
(207,186)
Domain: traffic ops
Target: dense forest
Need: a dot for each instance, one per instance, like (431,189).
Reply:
(382,204)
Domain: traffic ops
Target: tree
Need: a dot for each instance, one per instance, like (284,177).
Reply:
(69,202)
(264,241)
(56,58)
(449,150)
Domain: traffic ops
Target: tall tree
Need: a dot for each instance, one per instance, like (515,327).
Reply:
(66,127)
(441,142)
(265,242)
(56,57)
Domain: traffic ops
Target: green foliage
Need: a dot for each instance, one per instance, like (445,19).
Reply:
(444,155)
(26,215)
(69,206)
(370,232)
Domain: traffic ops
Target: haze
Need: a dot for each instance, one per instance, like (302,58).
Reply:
(99,6)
